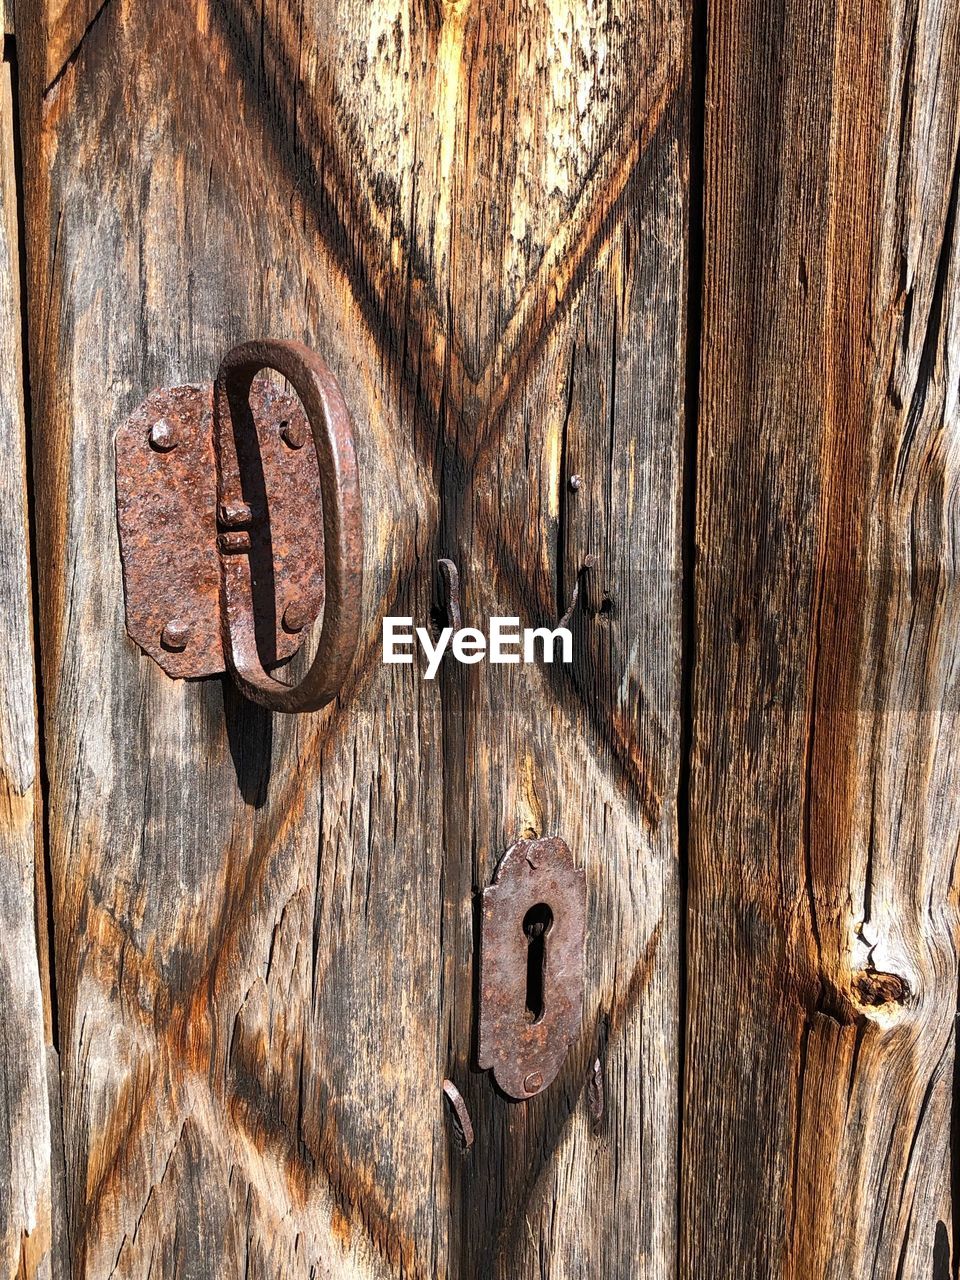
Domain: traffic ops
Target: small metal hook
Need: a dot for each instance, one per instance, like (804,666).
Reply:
(589,562)
(451,584)
(595,1097)
(459,1107)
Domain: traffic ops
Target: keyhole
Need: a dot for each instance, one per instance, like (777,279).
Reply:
(536,925)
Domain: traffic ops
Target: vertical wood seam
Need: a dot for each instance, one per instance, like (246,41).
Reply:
(697,73)
(43,881)
(45,953)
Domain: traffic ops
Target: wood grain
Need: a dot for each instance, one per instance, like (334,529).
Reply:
(590,754)
(25,1179)
(825,804)
(66,23)
(264,928)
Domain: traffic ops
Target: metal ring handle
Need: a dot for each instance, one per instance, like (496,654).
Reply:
(329,421)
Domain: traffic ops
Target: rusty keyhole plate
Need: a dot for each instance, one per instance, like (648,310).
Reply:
(167,516)
(535,881)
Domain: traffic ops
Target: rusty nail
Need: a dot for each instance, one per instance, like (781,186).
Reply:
(451,582)
(163,436)
(233,542)
(234,514)
(573,603)
(532,1082)
(595,1092)
(175,635)
(576,483)
(588,563)
(295,616)
(464,1124)
(292,433)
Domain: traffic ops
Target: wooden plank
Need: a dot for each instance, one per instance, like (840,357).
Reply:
(264,928)
(25,1184)
(247,910)
(825,802)
(574,1184)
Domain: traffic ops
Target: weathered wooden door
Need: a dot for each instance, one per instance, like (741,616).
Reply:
(705,261)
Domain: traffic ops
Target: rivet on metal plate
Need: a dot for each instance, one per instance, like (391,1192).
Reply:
(531,965)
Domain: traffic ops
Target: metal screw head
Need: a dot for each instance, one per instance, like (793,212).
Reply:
(293,433)
(576,483)
(175,635)
(295,616)
(163,436)
(533,1081)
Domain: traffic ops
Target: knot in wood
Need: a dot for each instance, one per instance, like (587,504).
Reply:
(875,989)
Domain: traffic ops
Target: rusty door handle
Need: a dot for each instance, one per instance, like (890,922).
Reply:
(329,422)
(219,509)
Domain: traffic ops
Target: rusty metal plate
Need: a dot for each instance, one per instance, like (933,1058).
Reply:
(168,521)
(531,965)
